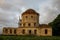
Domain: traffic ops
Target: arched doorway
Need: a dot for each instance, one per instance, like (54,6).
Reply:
(23,31)
(46,31)
(29,32)
(35,31)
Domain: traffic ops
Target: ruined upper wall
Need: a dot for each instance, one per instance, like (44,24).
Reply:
(30,11)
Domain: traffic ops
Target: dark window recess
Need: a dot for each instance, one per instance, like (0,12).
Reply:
(46,31)
(20,20)
(31,16)
(10,30)
(26,16)
(29,31)
(6,30)
(24,24)
(29,24)
(14,31)
(23,31)
(35,31)
(20,24)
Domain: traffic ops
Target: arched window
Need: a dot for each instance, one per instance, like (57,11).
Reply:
(24,24)
(31,16)
(29,31)
(29,24)
(26,16)
(6,31)
(10,30)
(23,31)
(46,31)
(35,31)
(20,24)
(14,31)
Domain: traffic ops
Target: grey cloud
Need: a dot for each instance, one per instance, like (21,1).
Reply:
(48,11)
(50,16)
(5,6)
(56,4)
(8,18)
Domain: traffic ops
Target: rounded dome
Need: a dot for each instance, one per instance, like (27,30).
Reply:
(30,11)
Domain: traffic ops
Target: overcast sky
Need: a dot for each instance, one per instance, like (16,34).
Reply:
(10,10)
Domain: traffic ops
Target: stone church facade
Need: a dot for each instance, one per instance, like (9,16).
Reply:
(29,25)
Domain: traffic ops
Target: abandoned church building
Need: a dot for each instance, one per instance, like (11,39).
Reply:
(29,25)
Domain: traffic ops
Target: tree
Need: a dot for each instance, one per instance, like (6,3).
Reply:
(56,26)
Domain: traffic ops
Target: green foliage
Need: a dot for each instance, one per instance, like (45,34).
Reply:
(56,26)
(28,38)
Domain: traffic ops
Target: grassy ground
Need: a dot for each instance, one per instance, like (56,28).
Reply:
(28,38)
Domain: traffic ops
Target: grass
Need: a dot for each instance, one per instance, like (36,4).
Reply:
(29,38)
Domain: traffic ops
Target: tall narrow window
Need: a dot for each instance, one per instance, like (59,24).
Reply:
(10,30)
(29,24)
(29,31)
(31,16)
(23,31)
(24,24)
(6,30)
(46,31)
(20,24)
(35,31)
(14,31)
